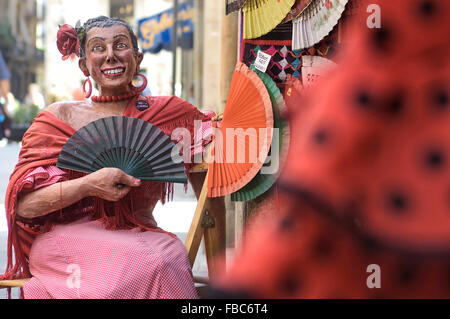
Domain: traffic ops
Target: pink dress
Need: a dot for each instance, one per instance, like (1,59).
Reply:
(83,260)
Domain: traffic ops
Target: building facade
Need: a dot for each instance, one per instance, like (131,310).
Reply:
(19,36)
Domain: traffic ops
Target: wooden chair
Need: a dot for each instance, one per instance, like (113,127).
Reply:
(208,222)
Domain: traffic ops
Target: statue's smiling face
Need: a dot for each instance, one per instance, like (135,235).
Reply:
(111,59)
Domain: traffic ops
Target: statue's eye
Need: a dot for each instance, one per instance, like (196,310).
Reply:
(121,45)
(97,47)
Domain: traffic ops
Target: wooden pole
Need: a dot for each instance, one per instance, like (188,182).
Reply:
(229,36)
(195,233)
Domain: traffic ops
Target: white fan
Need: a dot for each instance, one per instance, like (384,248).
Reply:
(316,22)
(313,67)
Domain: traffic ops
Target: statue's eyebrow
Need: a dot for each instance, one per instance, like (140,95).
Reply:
(96,38)
(120,35)
(103,39)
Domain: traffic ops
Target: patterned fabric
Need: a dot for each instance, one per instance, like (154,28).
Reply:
(285,61)
(233,5)
(82,260)
(365,195)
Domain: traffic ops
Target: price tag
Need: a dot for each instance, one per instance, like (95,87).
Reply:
(262,61)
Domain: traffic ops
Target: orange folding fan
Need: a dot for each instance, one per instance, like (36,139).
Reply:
(242,141)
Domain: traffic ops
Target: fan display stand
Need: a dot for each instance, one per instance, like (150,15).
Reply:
(208,223)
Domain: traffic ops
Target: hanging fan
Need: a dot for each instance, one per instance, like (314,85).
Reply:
(233,5)
(242,141)
(314,67)
(263,181)
(137,147)
(297,10)
(316,22)
(262,16)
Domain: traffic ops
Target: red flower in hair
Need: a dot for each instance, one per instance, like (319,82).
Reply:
(67,41)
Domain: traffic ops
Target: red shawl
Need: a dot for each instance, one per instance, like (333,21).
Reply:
(41,146)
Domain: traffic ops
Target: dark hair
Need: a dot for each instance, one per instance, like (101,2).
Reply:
(103,22)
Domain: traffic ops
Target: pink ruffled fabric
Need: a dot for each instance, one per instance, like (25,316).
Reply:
(42,177)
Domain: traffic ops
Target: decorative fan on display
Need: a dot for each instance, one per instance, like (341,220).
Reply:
(297,10)
(242,142)
(268,175)
(233,5)
(316,22)
(313,67)
(137,147)
(262,16)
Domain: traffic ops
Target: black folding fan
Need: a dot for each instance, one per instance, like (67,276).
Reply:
(137,147)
